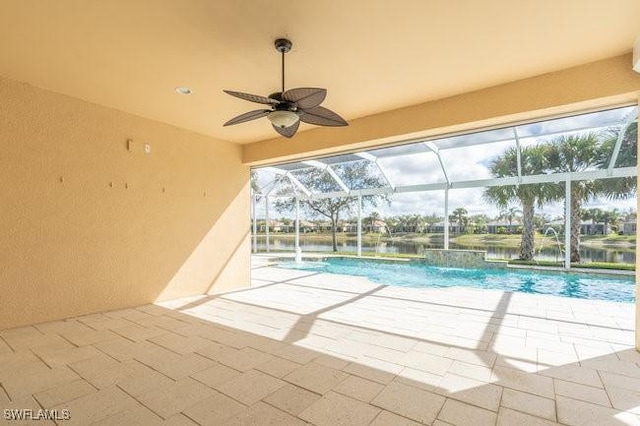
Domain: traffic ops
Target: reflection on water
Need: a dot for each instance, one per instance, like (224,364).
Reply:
(411,247)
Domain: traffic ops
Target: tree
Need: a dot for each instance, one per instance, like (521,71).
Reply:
(619,188)
(510,214)
(533,161)
(403,223)
(575,153)
(255,185)
(610,217)
(540,220)
(629,215)
(392,223)
(286,221)
(431,220)
(372,219)
(254,181)
(594,215)
(355,175)
(416,223)
(459,216)
(480,221)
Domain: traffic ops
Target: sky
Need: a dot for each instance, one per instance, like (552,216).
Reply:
(467,157)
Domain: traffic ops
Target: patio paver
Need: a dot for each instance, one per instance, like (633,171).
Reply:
(304,347)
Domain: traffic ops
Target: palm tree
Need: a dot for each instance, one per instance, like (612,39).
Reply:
(254,181)
(405,222)
(610,217)
(619,188)
(372,219)
(480,222)
(417,222)
(392,223)
(400,222)
(540,220)
(431,220)
(509,215)
(575,153)
(533,162)
(459,216)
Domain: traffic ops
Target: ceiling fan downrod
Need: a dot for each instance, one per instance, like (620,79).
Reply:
(283,46)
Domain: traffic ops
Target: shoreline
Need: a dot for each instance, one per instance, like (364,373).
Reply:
(603,242)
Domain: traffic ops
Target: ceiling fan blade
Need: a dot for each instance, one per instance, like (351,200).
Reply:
(252,98)
(321,116)
(305,97)
(248,116)
(287,132)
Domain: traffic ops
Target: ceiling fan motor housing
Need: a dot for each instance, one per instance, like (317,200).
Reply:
(277,96)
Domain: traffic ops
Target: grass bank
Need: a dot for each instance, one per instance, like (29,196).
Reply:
(473,240)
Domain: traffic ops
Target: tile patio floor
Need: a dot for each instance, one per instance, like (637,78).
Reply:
(307,348)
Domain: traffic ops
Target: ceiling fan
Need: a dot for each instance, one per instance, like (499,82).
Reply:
(290,107)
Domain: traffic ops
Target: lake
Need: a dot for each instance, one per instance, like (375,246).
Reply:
(587,254)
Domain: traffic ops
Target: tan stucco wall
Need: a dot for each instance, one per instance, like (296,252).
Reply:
(88,226)
(595,85)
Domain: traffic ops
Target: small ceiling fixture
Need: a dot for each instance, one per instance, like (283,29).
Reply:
(290,107)
(184,91)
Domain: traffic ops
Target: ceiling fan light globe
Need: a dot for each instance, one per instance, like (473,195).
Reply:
(283,119)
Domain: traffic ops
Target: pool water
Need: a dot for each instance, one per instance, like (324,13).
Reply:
(416,274)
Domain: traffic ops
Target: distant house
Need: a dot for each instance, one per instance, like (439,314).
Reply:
(348,227)
(377,226)
(629,228)
(324,226)
(277,226)
(439,227)
(503,227)
(588,228)
(306,226)
(274,226)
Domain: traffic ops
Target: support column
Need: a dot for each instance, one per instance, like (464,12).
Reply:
(254,203)
(567,224)
(297,224)
(446,218)
(359,225)
(266,222)
(638,272)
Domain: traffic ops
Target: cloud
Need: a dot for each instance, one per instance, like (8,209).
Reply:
(467,157)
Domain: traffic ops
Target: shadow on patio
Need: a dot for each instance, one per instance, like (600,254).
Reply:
(333,350)
(462,356)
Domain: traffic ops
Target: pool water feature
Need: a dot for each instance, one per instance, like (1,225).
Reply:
(418,274)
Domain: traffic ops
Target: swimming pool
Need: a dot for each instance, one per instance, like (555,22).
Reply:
(417,274)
